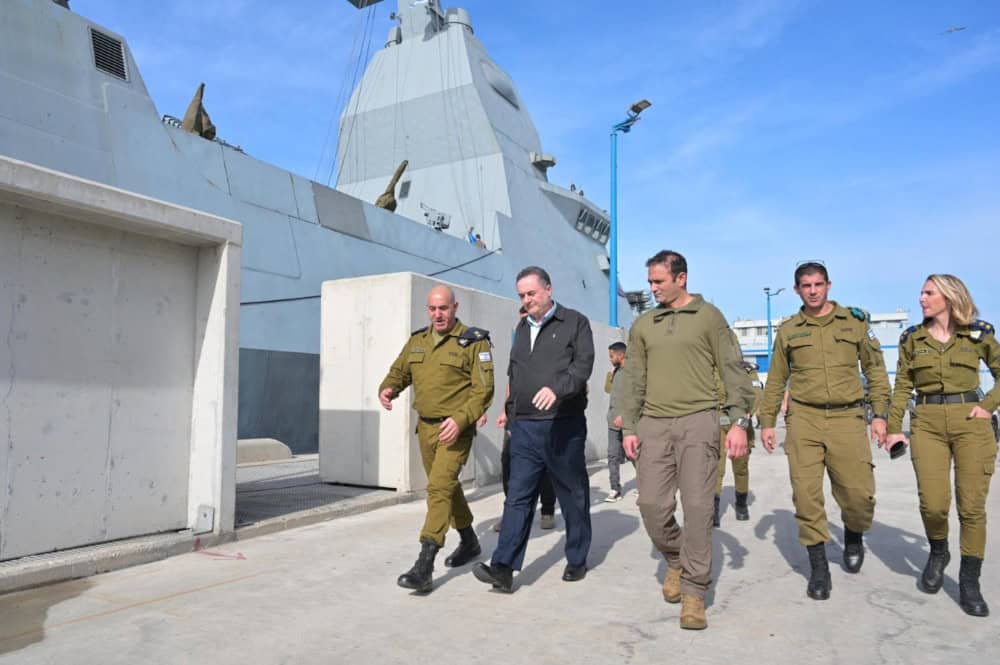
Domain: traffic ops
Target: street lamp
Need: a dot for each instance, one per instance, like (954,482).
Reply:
(770,294)
(624,127)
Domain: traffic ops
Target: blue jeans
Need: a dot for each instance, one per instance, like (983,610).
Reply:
(537,446)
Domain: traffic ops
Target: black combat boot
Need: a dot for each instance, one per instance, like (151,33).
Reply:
(467,550)
(819,579)
(418,578)
(854,551)
(933,575)
(715,513)
(741,510)
(970,597)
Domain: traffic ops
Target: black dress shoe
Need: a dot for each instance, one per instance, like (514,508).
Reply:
(501,577)
(574,573)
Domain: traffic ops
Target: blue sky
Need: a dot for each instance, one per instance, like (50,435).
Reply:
(862,134)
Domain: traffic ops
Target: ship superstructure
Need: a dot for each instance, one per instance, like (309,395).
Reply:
(73,100)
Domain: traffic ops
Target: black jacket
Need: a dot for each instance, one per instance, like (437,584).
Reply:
(562,359)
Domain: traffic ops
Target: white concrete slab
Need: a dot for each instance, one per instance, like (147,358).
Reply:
(119,328)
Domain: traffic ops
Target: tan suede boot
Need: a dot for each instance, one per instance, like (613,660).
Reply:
(693,613)
(672,585)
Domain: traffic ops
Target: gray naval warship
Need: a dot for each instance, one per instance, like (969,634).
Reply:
(446,147)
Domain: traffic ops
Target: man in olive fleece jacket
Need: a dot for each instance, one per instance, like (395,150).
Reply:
(670,405)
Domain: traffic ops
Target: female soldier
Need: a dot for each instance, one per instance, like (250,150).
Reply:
(940,360)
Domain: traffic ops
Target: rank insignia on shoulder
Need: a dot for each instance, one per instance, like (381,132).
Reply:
(419,330)
(485,357)
(860,314)
(473,335)
(979,328)
(906,333)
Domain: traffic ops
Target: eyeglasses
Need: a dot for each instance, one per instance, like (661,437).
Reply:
(807,262)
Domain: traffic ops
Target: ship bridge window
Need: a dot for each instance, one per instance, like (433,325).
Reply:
(591,225)
(404,189)
(109,54)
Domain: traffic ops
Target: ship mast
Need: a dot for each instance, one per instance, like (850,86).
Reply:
(417,18)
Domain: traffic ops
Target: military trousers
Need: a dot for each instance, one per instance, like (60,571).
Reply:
(680,454)
(741,465)
(940,434)
(446,504)
(834,441)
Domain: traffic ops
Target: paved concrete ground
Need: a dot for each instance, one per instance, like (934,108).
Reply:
(326,593)
(274,489)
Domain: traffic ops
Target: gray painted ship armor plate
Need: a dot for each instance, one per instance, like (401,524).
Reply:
(474,154)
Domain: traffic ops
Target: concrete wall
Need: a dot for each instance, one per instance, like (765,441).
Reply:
(366,322)
(118,360)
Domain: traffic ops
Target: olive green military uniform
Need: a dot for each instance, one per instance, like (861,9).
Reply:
(670,401)
(948,374)
(818,359)
(741,465)
(452,378)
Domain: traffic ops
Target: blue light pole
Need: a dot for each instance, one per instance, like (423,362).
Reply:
(770,294)
(624,127)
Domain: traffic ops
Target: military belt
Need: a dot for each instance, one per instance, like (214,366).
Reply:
(832,407)
(943,398)
(433,421)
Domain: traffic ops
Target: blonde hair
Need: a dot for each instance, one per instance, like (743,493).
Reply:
(963,309)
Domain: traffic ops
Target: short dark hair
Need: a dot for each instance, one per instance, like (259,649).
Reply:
(537,272)
(618,347)
(811,268)
(675,263)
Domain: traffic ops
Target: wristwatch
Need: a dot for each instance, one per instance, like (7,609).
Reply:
(743,422)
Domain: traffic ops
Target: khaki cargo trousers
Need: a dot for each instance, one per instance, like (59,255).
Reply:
(446,504)
(680,454)
(940,433)
(834,441)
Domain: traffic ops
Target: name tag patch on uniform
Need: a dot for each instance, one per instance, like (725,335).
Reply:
(800,334)
(485,357)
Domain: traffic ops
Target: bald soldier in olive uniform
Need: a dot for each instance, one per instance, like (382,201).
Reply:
(451,369)
(741,465)
(940,359)
(816,352)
